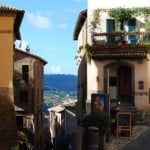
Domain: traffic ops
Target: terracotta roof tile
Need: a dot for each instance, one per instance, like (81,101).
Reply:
(5,8)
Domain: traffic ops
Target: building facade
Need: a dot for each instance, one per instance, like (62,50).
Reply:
(21,86)
(28,93)
(113,53)
(10,21)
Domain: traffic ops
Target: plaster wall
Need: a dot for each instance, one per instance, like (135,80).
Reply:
(7,118)
(95,79)
(6,47)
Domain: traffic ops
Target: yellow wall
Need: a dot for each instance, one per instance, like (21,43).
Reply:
(6,50)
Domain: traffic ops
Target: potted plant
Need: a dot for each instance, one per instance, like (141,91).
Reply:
(99,119)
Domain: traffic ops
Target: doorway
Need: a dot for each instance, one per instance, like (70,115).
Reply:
(124,84)
(119,82)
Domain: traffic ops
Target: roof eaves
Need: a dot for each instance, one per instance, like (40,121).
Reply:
(19,16)
(32,55)
(80,21)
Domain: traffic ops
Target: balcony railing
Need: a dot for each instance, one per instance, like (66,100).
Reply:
(120,44)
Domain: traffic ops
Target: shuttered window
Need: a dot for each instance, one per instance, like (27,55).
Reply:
(110,27)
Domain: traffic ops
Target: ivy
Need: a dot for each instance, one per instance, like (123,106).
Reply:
(143,11)
(121,13)
(127,13)
(96,20)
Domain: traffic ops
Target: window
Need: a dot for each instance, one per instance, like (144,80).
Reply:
(141,85)
(24,96)
(25,73)
(19,121)
(131,27)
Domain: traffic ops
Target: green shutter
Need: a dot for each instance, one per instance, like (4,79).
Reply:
(132,27)
(110,27)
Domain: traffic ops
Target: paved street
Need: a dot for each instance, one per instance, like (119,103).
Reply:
(138,141)
(141,143)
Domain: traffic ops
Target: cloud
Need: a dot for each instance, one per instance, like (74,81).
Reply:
(55,69)
(39,21)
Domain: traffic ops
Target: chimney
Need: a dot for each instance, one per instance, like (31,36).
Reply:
(28,49)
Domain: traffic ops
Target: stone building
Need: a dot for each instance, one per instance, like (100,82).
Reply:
(28,93)
(113,53)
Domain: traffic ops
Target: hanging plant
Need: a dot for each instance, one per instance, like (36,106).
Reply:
(87,51)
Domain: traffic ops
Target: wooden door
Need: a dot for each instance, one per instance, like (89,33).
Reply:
(124,82)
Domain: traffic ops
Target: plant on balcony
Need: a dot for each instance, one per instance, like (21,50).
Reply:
(120,15)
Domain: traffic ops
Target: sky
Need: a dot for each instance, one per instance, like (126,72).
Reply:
(47,27)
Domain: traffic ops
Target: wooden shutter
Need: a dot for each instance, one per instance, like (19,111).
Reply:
(110,27)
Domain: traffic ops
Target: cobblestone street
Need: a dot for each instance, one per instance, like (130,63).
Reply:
(120,142)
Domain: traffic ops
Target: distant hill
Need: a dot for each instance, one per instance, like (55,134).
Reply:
(61,82)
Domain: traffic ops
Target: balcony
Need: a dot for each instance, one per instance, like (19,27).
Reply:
(120,45)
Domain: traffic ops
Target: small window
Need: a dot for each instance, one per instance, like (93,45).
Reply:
(25,73)
(24,96)
(141,85)
(113,81)
(19,121)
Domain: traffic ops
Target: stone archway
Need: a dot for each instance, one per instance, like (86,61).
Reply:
(119,82)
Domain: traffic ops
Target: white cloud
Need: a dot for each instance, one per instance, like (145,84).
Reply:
(38,20)
(55,69)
